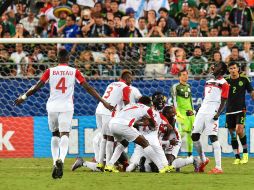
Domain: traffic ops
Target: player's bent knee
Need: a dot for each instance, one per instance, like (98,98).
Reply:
(125,143)
(213,138)
(195,136)
(140,140)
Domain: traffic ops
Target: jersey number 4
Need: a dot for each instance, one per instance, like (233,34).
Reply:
(61,85)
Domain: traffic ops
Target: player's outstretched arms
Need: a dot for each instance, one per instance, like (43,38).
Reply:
(95,94)
(222,106)
(30,92)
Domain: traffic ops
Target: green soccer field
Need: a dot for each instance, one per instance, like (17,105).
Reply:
(35,174)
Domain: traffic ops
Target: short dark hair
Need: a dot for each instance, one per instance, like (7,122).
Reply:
(125,72)
(73,17)
(181,71)
(224,68)
(145,100)
(235,47)
(163,9)
(167,109)
(231,63)
(63,56)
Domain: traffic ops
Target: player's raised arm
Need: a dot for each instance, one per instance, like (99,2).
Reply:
(33,89)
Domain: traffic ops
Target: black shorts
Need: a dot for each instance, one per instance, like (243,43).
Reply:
(233,119)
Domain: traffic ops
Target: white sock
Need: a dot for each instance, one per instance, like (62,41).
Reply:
(150,153)
(116,155)
(147,165)
(109,151)
(55,148)
(64,144)
(102,151)
(181,162)
(217,154)
(91,165)
(131,168)
(198,146)
(96,149)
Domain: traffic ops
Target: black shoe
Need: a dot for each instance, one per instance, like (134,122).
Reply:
(154,168)
(78,163)
(178,170)
(54,172)
(59,166)
(142,164)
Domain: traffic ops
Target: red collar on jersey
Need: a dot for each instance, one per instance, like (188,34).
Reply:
(121,80)
(63,64)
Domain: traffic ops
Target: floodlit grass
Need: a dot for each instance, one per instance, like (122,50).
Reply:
(35,174)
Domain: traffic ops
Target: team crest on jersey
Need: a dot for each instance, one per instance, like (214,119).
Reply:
(240,83)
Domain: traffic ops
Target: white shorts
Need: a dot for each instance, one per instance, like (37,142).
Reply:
(60,121)
(121,132)
(173,150)
(205,123)
(103,122)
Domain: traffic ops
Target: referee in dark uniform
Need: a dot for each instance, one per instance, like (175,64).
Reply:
(236,110)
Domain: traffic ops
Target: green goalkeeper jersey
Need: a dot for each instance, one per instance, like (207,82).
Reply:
(181,96)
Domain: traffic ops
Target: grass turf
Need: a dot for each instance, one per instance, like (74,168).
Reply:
(35,174)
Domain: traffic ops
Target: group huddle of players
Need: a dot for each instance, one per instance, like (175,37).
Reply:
(124,115)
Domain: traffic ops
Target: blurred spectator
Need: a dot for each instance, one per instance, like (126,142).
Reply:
(97,7)
(214,20)
(242,16)
(178,60)
(203,4)
(173,8)
(151,19)
(155,66)
(138,6)
(86,3)
(203,27)
(6,69)
(21,32)
(226,50)
(65,3)
(142,26)
(156,5)
(21,60)
(114,8)
(197,63)
(76,10)
(202,13)
(193,17)
(41,31)
(35,58)
(50,58)
(130,12)
(181,29)
(183,13)
(29,23)
(247,52)
(234,56)
(85,18)
(20,12)
(70,30)
(7,26)
(52,29)
(227,6)
(85,63)
(49,11)
(171,24)
(208,50)
(1,31)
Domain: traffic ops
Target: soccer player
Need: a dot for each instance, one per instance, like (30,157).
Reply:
(236,110)
(182,100)
(60,105)
(118,95)
(122,128)
(216,95)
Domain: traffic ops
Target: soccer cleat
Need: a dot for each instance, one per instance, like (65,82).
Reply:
(111,169)
(215,171)
(196,164)
(59,168)
(245,158)
(166,169)
(54,172)
(203,165)
(100,166)
(236,161)
(77,164)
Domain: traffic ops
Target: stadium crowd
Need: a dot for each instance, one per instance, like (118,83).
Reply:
(127,18)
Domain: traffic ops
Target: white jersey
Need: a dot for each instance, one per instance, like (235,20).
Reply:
(135,94)
(131,113)
(61,80)
(115,94)
(215,89)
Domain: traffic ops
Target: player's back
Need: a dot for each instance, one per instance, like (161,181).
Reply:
(61,81)
(115,95)
(131,113)
(215,89)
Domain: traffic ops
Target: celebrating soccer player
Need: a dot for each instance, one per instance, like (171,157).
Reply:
(60,105)
(181,94)
(216,95)
(236,110)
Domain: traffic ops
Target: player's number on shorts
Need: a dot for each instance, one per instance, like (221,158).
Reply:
(61,85)
(110,89)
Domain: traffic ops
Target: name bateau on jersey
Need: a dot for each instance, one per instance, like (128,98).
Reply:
(63,72)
